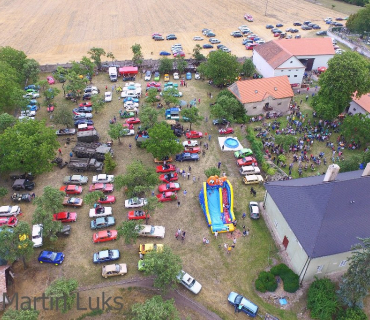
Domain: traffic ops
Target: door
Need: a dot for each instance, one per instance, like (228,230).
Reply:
(285,242)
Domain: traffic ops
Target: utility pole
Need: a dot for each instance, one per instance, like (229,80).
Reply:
(267,2)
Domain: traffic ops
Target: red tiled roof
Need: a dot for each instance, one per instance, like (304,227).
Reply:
(364,101)
(256,90)
(275,52)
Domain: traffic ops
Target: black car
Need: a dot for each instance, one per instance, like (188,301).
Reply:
(210,34)
(297,24)
(83,121)
(307,22)
(220,121)
(298,36)
(128,78)
(316,27)
(220,46)
(237,35)
(24,184)
(269,26)
(306,27)
(279,25)
(321,33)
(158,38)
(294,30)
(171,37)
(187,157)
(337,24)
(90,89)
(83,109)
(207,46)
(86,96)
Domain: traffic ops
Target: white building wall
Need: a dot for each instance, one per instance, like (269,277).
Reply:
(354,108)
(320,60)
(278,105)
(262,66)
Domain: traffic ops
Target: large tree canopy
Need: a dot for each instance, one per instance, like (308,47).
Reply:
(227,107)
(222,67)
(348,74)
(27,146)
(155,309)
(360,21)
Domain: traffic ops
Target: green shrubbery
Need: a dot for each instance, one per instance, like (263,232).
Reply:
(266,282)
(212,172)
(289,278)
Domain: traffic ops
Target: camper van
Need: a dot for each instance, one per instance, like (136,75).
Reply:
(112,74)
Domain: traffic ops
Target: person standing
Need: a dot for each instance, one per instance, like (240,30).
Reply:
(183,236)
(216,234)
(130,146)
(178,204)
(185,192)
(60,151)
(219,165)
(244,215)
(209,137)
(189,168)
(188,175)
(194,179)
(177,234)
(71,154)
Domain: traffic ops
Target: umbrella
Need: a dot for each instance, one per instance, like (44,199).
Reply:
(183,103)
(322,69)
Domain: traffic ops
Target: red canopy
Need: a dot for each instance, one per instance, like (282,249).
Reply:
(128,70)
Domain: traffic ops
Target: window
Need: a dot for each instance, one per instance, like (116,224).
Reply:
(290,70)
(282,70)
(279,104)
(295,76)
(291,61)
(254,107)
(319,269)
(288,76)
(343,263)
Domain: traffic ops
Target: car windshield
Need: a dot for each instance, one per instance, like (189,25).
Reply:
(52,256)
(238,299)
(152,230)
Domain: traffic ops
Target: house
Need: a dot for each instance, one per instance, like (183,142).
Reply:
(316,221)
(361,105)
(292,57)
(6,285)
(259,95)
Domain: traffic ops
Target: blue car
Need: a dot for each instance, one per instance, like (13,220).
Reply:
(186,156)
(188,76)
(82,110)
(106,256)
(130,99)
(33,102)
(242,304)
(83,121)
(32,86)
(102,222)
(56,258)
(207,46)
(32,108)
(164,53)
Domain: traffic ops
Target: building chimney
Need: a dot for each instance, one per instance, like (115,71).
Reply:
(331,173)
(366,172)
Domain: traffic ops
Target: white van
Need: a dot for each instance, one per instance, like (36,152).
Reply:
(248,170)
(7,211)
(253,179)
(112,74)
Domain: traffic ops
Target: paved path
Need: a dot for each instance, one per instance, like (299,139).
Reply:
(180,299)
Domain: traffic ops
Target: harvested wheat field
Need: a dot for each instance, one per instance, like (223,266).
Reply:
(55,31)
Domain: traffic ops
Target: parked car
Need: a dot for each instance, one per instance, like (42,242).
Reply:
(220,121)
(71,189)
(50,80)
(56,258)
(37,235)
(104,187)
(241,304)
(107,199)
(198,38)
(269,26)
(254,210)
(156,76)
(214,41)
(8,221)
(253,179)
(104,236)
(66,132)
(190,143)
(65,216)
(197,76)
(112,270)
(72,202)
(189,282)
(207,46)
(176,76)
(145,248)
(23,184)
(166,196)
(100,211)
(105,256)
(188,76)
(151,231)
(186,156)
(158,38)
(103,178)
(297,24)
(108,96)
(192,150)
(226,131)
(102,222)
(168,177)
(194,135)
(172,186)
(247,161)
(164,53)
(171,37)
(165,168)
(321,33)
(135,202)
(75,179)
(245,152)
(137,215)
(148,75)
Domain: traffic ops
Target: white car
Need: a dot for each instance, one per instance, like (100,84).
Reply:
(244,26)
(32,95)
(176,76)
(189,282)
(28,113)
(37,235)
(84,115)
(339,51)
(214,41)
(130,104)
(108,96)
(132,84)
(197,76)
(130,93)
(100,211)
(148,75)
(198,39)
(260,41)
(135,202)
(127,132)
(151,231)
(254,210)
(103,178)
(190,143)
(225,49)
(25,117)
(114,270)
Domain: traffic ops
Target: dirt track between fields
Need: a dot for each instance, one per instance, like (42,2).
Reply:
(60,31)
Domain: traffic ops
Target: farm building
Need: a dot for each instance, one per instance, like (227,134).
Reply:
(361,105)
(316,221)
(261,95)
(292,57)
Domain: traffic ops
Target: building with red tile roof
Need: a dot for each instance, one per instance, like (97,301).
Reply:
(265,94)
(292,57)
(360,105)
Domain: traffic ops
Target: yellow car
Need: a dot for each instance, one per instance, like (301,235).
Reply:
(253,179)
(114,270)
(166,77)
(144,248)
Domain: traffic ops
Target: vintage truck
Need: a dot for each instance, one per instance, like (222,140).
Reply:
(92,150)
(88,136)
(85,164)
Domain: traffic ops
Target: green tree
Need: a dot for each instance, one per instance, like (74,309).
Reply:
(213,171)
(165,65)
(3,192)
(43,84)
(6,120)
(181,64)
(138,58)
(193,115)
(285,141)
(16,244)
(16,60)
(116,131)
(51,200)
(138,179)
(162,142)
(109,163)
(248,68)
(98,102)
(63,292)
(155,309)
(50,227)
(322,300)
(12,314)
(352,314)
(350,164)
(148,117)
(95,55)
(355,283)
(31,70)
(150,206)
(151,97)
(348,74)
(28,146)
(60,74)
(10,87)
(360,21)
(165,265)
(93,197)
(228,108)
(88,65)
(49,95)
(129,231)
(110,55)
(356,127)
(63,116)
(222,67)
(197,55)
(75,84)
(170,96)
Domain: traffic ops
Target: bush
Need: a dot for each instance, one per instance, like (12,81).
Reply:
(289,278)
(266,282)
(271,171)
(212,172)
(109,163)
(352,314)
(322,299)
(3,192)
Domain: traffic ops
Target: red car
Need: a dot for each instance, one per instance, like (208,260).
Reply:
(250,46)
(86,128)
(104,187)
(137,215)
(165,168)
(156,35)
(192,149)
(8,221)
(50,80)
(86,104)
(153,84)
(107,200)
(133,120)
(179,54)
(105,235)
(226,131)
(247,161)
(167,196)
(194,135)
(71,189)
(168,177)
(169,187)
(65,216)
(128,126)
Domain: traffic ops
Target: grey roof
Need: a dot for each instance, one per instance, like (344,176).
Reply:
(326,217)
